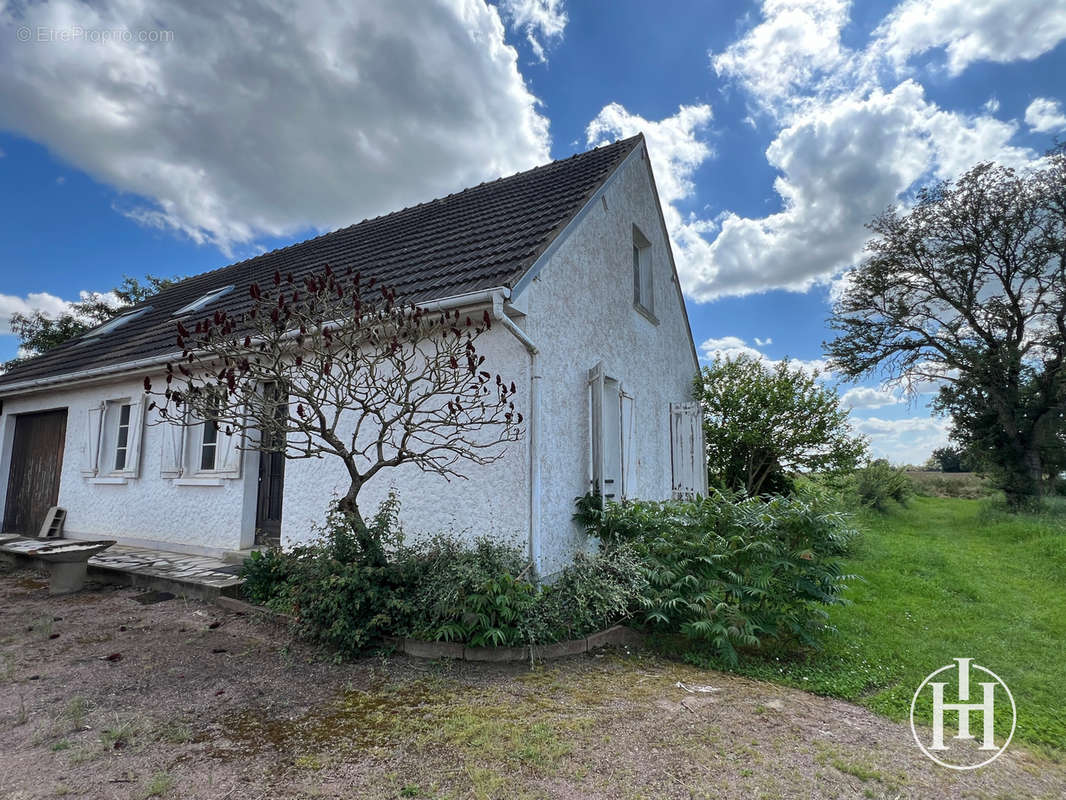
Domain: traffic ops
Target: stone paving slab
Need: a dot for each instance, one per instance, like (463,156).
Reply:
(203,572)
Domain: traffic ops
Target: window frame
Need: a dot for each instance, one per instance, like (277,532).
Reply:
(643,276)
(122,436)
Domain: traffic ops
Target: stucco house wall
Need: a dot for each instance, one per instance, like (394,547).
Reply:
(142,509)
(580,312)
(492,500)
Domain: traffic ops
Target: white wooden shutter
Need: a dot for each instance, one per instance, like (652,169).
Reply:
(228,452)
(133,441)
(629,455)
(687,451)
(93,431)
(173,463)
(596,428)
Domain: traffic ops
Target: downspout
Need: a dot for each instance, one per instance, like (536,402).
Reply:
(500,316)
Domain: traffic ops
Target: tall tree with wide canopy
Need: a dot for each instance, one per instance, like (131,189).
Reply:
(967,290)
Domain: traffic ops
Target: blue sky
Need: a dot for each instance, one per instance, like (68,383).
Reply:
(153,137)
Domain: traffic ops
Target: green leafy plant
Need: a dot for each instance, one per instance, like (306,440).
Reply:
(878,483)
(732,572)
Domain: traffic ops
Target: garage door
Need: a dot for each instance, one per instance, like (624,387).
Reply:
(36,460)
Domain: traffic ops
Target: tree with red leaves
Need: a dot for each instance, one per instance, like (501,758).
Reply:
(369,380)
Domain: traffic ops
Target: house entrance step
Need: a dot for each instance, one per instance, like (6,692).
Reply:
(199,577)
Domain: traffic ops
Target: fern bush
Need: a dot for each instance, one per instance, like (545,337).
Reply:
(731,572)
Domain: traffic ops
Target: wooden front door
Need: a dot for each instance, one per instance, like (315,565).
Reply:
(271,481)
(36,462)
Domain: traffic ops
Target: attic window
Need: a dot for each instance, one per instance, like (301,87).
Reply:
(208,298)
(118,321)
(643,276)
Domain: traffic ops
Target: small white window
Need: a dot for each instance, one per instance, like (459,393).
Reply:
(207,299)
(643,274)
(209,443)
(121,319)
(122,445)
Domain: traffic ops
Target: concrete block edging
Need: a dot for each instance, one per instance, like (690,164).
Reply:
(616,636)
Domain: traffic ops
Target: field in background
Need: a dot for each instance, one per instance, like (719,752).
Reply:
(946,578)
(968,485)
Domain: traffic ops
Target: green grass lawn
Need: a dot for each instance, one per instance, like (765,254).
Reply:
(946,578)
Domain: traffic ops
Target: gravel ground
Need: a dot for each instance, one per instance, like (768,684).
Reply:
(103,697)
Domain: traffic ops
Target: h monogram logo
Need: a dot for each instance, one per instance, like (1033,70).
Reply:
(986,708)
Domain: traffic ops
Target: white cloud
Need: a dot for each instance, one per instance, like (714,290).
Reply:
(972,30)
(1045,116)
(48,304)
(991,105)
(269,121)
(542,21)
(763,342)
(868,397)
(796,44)
(841,163)
(846,148)
(904,441)
(733,346)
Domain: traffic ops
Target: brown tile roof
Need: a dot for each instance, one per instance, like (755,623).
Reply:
(479,238)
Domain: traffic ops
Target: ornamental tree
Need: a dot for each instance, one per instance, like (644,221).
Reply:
(762,422)
(332,365)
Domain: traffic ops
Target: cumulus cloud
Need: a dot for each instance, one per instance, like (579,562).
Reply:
(846,148)
(1045,116)
(797,43)
(733,346)
(763,342)
(542,21)
(269,122)
(904,441)
(868,397)
(972,30)
(46,303)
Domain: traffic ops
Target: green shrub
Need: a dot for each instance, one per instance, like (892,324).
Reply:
(731,572)
(591,594)
(879,482)
(339,595)
(470,592)
(266,576)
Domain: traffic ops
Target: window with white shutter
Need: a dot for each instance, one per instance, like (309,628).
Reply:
(610,436)
(687,451)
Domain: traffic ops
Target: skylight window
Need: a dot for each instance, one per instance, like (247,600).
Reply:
(118,321)
(207,299)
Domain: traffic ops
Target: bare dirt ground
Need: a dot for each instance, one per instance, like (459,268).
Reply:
(102,697)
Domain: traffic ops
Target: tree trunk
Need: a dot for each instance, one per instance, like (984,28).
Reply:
(370,548)
(1023,481)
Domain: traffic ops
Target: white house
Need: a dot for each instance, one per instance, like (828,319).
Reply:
(571,258)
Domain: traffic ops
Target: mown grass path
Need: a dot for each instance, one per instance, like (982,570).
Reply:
(945,578)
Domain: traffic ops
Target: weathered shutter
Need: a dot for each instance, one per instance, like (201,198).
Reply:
(173,463)
(629,455)
(596,428)
(686,450)
(133,441)
(93,431)
(228,452)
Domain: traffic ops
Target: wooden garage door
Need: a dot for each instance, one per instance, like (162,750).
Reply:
(36,460)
